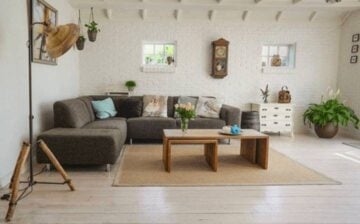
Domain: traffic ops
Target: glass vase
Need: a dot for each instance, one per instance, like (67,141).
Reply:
(184,124)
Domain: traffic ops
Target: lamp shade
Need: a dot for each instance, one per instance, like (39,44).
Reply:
(61,38)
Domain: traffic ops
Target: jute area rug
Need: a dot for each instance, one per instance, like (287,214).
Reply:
(141,165)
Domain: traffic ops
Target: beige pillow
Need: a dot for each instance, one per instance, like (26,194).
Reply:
(155,106)
(208,107)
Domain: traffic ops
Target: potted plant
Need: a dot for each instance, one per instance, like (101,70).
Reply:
(92,30)
(130,85)
(329,114)
(80,43)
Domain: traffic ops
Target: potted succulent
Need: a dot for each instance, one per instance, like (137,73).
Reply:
(329,114)
(130,85)
(92,30)
(80,43)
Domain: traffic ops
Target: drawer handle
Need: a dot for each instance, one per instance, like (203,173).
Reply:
(276,108)
(263,124)
(275,122)
(287,125)
(288,109)
(287,116)
(264,109)
(275,115)
(263,116)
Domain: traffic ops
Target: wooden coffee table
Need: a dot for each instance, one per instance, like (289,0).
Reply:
(254,145)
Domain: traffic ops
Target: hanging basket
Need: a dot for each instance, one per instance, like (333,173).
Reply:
(80,43)
(92,27)
(92,35)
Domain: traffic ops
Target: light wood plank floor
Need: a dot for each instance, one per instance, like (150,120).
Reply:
(95,201)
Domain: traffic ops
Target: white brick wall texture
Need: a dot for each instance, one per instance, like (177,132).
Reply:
(116,57)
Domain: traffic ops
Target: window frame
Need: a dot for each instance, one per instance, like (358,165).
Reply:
(291,55)
(143,62)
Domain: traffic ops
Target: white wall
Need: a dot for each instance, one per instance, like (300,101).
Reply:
(116,57)
(50,83)
(349,74)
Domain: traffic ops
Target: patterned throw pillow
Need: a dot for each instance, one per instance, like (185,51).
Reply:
(208,107)
(185,100)
(155,106)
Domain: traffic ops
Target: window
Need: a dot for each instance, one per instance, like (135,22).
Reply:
(278,55)
(161,54)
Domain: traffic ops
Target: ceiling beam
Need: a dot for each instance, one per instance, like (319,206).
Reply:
(143,14)
(312,16)
(177,14)
(278,16)
(245,15)
(212,14)
(108,13)
(345,17)
(190,5)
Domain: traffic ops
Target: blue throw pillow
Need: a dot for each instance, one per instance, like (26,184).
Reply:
(104,108)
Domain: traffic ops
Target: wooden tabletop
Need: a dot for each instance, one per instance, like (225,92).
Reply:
(211,134)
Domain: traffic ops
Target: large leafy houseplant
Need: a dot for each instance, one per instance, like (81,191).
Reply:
(329,114)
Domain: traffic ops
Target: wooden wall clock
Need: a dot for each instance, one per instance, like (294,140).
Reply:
(220,58)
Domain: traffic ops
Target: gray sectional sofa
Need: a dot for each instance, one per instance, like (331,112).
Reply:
(80,139)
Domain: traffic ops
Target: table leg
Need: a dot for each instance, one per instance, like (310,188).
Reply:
(262,152)
(211,154)
(167,155)
(248,149)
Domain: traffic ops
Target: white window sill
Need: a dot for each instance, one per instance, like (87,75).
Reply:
(158,68)
(277,70)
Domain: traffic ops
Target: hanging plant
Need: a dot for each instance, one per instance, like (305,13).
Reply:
(92,27)
(80,43)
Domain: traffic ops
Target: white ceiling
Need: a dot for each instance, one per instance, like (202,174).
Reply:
(242,10)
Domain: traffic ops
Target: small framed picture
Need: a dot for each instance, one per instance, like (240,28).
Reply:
(355,48)
(353,59)
(356,37)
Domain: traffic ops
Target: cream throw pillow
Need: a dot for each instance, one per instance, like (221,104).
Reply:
(155,106)
(208,107)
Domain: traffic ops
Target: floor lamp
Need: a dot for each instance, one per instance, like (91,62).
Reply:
(59,40)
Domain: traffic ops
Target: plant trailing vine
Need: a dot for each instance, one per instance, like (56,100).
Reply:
(80,43)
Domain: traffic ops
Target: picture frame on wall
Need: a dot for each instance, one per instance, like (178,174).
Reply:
(353,59)
(355,48)
(42,12)
(356,37)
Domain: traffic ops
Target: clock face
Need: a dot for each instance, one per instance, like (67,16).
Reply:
(220,52)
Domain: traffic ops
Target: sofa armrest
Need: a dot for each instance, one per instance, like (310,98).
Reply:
(230,114)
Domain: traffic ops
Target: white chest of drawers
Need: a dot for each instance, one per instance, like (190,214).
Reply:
(275,117)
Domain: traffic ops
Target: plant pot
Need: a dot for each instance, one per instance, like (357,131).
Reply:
(130,89)
(327,131)
(92,35)
(80,44)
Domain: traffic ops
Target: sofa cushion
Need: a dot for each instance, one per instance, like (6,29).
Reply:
(155,106)
(76,146)
(129,107)
(204,123)
(104,108)
(71,113)
(208,107)
(149,127)
(118,123)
